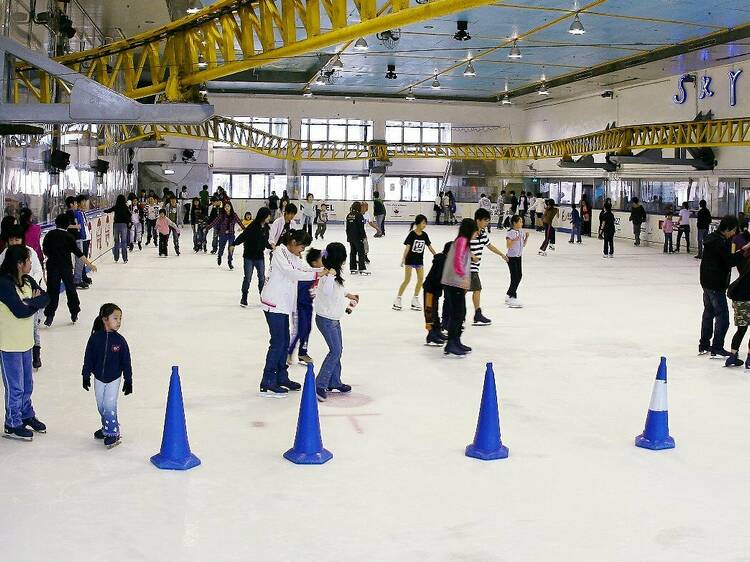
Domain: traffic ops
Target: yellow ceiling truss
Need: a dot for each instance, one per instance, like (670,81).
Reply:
(227,37)
(618,140)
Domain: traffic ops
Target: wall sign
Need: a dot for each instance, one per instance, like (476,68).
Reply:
(706,87)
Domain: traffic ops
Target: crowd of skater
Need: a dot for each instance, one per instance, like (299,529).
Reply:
(301,286)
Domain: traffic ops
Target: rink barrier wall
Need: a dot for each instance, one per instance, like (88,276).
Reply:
(99,225)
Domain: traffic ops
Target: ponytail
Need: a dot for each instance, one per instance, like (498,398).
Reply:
(334,258)
(417,220)
(106,310)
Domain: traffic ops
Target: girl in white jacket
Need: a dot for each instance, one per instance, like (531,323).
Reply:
(278,300)
(331,301)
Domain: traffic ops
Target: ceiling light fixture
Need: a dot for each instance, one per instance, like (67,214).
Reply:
(202,63)
(193,10)
(391,73)
(337,63)
(470,70)
(203,89)
(361,44)
(410,96)
(307,92)
(436,83)
(319,81)
(543,91)
(389,38)
(462,34)
(506,100)
(576,28)
(515,52)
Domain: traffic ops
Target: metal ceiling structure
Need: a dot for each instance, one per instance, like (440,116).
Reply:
(616,140)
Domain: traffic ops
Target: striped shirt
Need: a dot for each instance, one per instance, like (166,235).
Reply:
(477,247)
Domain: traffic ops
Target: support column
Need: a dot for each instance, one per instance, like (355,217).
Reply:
(5,6)
(378,179)
(293,167)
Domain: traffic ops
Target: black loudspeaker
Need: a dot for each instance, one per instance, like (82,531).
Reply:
(188,154)
(59,159)
(130,168)
(100,166)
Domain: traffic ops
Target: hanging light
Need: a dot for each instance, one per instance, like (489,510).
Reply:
(436,83)
(319,81)
(470,70)
(203,89)
(543,91)
(201,63)
(361,44)
(506,100)
(193,10)
(307,92)
(410,96)
(337,63)
(515,52)
(576,28)
(462,34)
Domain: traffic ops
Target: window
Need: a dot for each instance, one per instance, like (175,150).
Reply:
(428,189)
(410,188)
(338,130)
(417,132)
(392,189)
(240,186)
(335,187)
(223,180)
(258,186)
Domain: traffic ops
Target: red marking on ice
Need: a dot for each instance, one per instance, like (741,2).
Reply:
(352,419)
(258,424)
(347,400)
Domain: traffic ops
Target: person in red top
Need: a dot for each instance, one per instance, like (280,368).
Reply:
(33,233)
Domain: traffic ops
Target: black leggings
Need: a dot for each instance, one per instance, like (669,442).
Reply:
(514,265)
(609,244)
(357,255)
(456,300)
(737,339)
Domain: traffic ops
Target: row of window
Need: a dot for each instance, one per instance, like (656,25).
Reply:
(329,187)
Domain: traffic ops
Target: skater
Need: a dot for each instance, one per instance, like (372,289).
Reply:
(413,259)
(163,227)
(122,222)
(136,225)
(540,207)
(515,241)
(204,197)
(456,281)
(523,206)
(501,209)
(16,238)
(355,235)
(575,224)
(273,204)
(683,227)
(739,292)
(667,227)
(152,213)
(637,217)
(108,359)
(330,303)
(173,214)
(369,221)
(703,224)
(482,240)
(255,242)
(301,320)
(715,270)
(585,216)
(278,301)
(20,299)
(320,231)
(213,214)
(549,230)
(224,224)
(308,213)
(438,207)
(282,225)
(32,233)
(379,212)
(607,228)
(84,241)
(58,247)
(247,220)
(198,224)
(433,290)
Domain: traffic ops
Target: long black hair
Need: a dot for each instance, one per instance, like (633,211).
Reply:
(300,237)
(334,258)
(5,225)
(467,228)
(260,218)
(121,202)
(13,256)
(417,220)
(105,310)
(24,218)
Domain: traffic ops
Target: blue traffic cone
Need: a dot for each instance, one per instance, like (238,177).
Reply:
(175,450)
(656,434)
(487,444)
(308,445)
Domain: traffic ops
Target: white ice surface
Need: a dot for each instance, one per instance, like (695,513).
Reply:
(575,369)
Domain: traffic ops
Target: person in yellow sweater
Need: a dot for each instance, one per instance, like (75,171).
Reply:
(248,220)
(20,298)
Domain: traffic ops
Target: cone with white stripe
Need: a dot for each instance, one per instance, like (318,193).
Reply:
(656,436)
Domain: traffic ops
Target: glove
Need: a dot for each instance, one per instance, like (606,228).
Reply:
(86,383)
(127,388)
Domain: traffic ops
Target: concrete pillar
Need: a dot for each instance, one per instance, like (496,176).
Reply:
(293,167)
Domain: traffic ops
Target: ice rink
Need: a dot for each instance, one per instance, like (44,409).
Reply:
(574,369)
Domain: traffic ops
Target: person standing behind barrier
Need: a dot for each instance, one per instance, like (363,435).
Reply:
(58,246)
(637,217)
(608,231)
(379,212)
(575,224)
(438,207)
(585,216)
(273,205)
(204,197)
(120,228)
(716,265)
(451,207)
(541,206)
(523,206)
(667,227)
(20,298)
(683,227)
(548,219)
(501,209)
(704,222)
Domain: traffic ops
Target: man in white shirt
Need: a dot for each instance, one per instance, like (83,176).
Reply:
(438,207)
(282,224)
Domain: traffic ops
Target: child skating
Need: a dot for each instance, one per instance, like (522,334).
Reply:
(515,241)
(301,321)
(108,359)
(413,259)
(433,290)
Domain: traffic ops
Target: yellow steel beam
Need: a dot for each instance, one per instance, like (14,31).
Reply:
(169,60)
(690,134)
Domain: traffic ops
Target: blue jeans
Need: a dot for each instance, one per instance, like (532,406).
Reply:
(225,239)
(260,266)
(121,241)
(329,375)
(19,384)
(575,230)
(715,319)
(304,327)
(78,267)
(106,402)
(276,370)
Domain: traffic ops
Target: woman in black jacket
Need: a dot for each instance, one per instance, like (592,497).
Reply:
(255,241)
(121,227)
(355,235)
(608,230)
